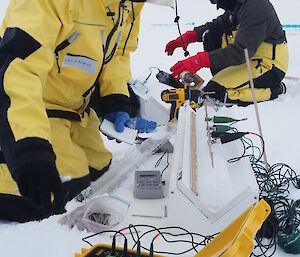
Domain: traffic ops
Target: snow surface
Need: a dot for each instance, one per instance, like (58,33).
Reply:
(279,118)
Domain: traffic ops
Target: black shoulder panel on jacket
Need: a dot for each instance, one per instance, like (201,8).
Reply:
(17,43)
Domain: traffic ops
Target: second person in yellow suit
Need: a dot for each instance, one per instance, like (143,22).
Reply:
(53,56)
(245,24)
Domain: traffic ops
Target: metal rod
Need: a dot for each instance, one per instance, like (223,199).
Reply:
(209,141)
(146,216)
(255,106)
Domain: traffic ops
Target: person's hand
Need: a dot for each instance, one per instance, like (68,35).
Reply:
(188,37)
(122,119)
(119,119)
(39,181)
(141,125)
(191,64)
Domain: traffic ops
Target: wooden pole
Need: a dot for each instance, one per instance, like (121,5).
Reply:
(193,154)
(255,106)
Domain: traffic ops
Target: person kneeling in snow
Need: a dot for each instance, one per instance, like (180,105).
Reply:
(53,56)
(251,24)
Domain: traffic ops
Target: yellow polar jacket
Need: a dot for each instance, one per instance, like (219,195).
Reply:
(52,55)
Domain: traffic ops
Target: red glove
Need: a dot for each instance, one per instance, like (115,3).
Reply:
(188,37)
(191,64)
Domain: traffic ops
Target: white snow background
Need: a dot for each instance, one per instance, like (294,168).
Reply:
(280,118)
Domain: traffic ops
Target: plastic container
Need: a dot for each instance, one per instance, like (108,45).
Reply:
(104,213)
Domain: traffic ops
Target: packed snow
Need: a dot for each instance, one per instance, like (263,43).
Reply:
(279,118)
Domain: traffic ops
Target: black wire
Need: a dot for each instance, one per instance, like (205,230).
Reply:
(263,146)
(159,162)
(246,141)
(186,53)
(235,159)
(136,231)
(205,240)
(162,173)
(274,186)
(162,233)
(102,232)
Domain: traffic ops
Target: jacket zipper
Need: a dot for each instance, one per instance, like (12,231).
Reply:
(63,45)
(105,49)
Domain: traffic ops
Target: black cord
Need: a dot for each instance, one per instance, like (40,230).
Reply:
(150,69)
(159,162)
(274,185)
(162,173)
(205,240)
(248,144)
(102,232)
(186,53)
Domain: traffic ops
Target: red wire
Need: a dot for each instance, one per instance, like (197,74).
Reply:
(123,229)
(154,238)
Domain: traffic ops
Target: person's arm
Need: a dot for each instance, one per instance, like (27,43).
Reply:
(117,73)
(253,30)
(220,24)
(26,57)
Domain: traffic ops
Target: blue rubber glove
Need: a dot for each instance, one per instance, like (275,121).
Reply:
(141,125)
(119,119)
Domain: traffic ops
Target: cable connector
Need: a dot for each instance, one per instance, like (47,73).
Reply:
(230,137)
(223,119)
(125,248)
(151,250)
(217,134)
(138,249)
(113,245)
(222,128)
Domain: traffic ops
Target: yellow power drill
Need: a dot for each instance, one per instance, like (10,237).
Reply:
(181,91)
(177,97)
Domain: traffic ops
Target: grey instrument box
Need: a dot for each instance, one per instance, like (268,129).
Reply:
(148,185)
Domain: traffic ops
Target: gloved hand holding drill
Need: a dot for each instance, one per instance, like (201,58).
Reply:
(122,119)
(191,64)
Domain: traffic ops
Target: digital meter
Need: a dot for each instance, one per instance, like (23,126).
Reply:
(148,184)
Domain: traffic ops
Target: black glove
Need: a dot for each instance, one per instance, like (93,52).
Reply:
(38,181)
